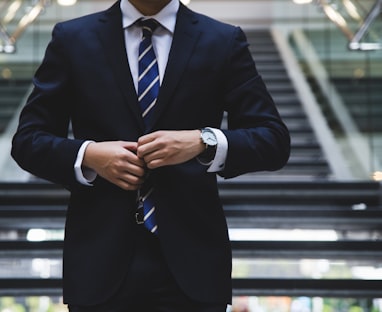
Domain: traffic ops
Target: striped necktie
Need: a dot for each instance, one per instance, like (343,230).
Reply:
(148,89)
(148,79)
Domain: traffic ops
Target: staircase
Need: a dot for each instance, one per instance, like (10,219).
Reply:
(307,161)
(269,205)
(11,94)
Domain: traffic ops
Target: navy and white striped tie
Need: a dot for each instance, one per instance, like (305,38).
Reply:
(148,79)
(148,89)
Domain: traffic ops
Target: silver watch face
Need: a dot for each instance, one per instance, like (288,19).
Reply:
(209,137)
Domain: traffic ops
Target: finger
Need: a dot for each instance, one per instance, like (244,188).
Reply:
(124,170)
(155,155)
(127,186)
(156,163)
(147,138)
(132,179)
(133,158)
(131,146)
(125,182)
(136,161)
(149,143)
(136,171)
(147,149)
(128,180)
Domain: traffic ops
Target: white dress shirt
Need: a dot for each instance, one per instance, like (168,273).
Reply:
(162,40)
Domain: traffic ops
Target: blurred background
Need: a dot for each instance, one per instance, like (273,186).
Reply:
(305,238)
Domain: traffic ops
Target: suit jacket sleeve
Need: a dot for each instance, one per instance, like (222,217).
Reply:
(40,144)
(257,138)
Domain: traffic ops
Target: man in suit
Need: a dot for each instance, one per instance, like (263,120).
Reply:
(90,78)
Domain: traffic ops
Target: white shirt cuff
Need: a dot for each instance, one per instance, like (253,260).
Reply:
(83,175)
(218,162)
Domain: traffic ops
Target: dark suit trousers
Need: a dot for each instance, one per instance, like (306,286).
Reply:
(149,286)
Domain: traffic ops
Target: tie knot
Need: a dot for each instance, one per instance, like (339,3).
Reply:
(148,26)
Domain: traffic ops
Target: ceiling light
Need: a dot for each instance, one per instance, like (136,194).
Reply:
(302,1)
(335,16)
(352,10)
(11,12)
(377,176)
(66,2)
(29,13)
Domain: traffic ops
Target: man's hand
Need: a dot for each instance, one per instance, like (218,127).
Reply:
(163,148)
(117,162)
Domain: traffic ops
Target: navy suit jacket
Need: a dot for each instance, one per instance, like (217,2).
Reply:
(85,80)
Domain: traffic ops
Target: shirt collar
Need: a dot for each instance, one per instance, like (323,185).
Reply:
(166,17)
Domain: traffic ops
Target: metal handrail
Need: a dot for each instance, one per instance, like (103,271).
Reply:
(355,43)
(354,37)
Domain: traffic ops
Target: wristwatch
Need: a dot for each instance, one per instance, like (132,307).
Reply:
(208,138)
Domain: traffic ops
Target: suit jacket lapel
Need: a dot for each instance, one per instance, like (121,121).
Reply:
(112,37)
(185,37)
